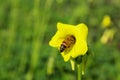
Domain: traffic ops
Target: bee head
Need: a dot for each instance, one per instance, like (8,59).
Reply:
(62,48)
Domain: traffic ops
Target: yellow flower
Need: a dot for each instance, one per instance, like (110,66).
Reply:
(106,21)
(79,32)
(108,35)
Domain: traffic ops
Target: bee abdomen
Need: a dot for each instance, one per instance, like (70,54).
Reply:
(62,47)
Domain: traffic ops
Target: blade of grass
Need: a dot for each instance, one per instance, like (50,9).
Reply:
(12,27)
(40,25)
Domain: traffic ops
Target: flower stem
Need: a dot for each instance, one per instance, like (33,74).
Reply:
(79,73)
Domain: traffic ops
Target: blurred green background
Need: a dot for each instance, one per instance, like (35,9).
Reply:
(26,26)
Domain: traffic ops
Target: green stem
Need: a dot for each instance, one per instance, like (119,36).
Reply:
(79,69)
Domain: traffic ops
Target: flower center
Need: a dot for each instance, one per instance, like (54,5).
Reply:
(68,43)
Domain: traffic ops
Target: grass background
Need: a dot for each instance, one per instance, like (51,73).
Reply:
(26,26)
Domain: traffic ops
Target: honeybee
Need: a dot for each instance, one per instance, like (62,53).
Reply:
(67,43)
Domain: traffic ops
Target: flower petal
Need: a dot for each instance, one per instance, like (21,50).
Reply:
(56,39)
(80,47)
(82,31)
(66,29)
(65,56)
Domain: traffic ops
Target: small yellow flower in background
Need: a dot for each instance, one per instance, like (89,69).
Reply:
(108,35)
(78,32)
(106,21)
